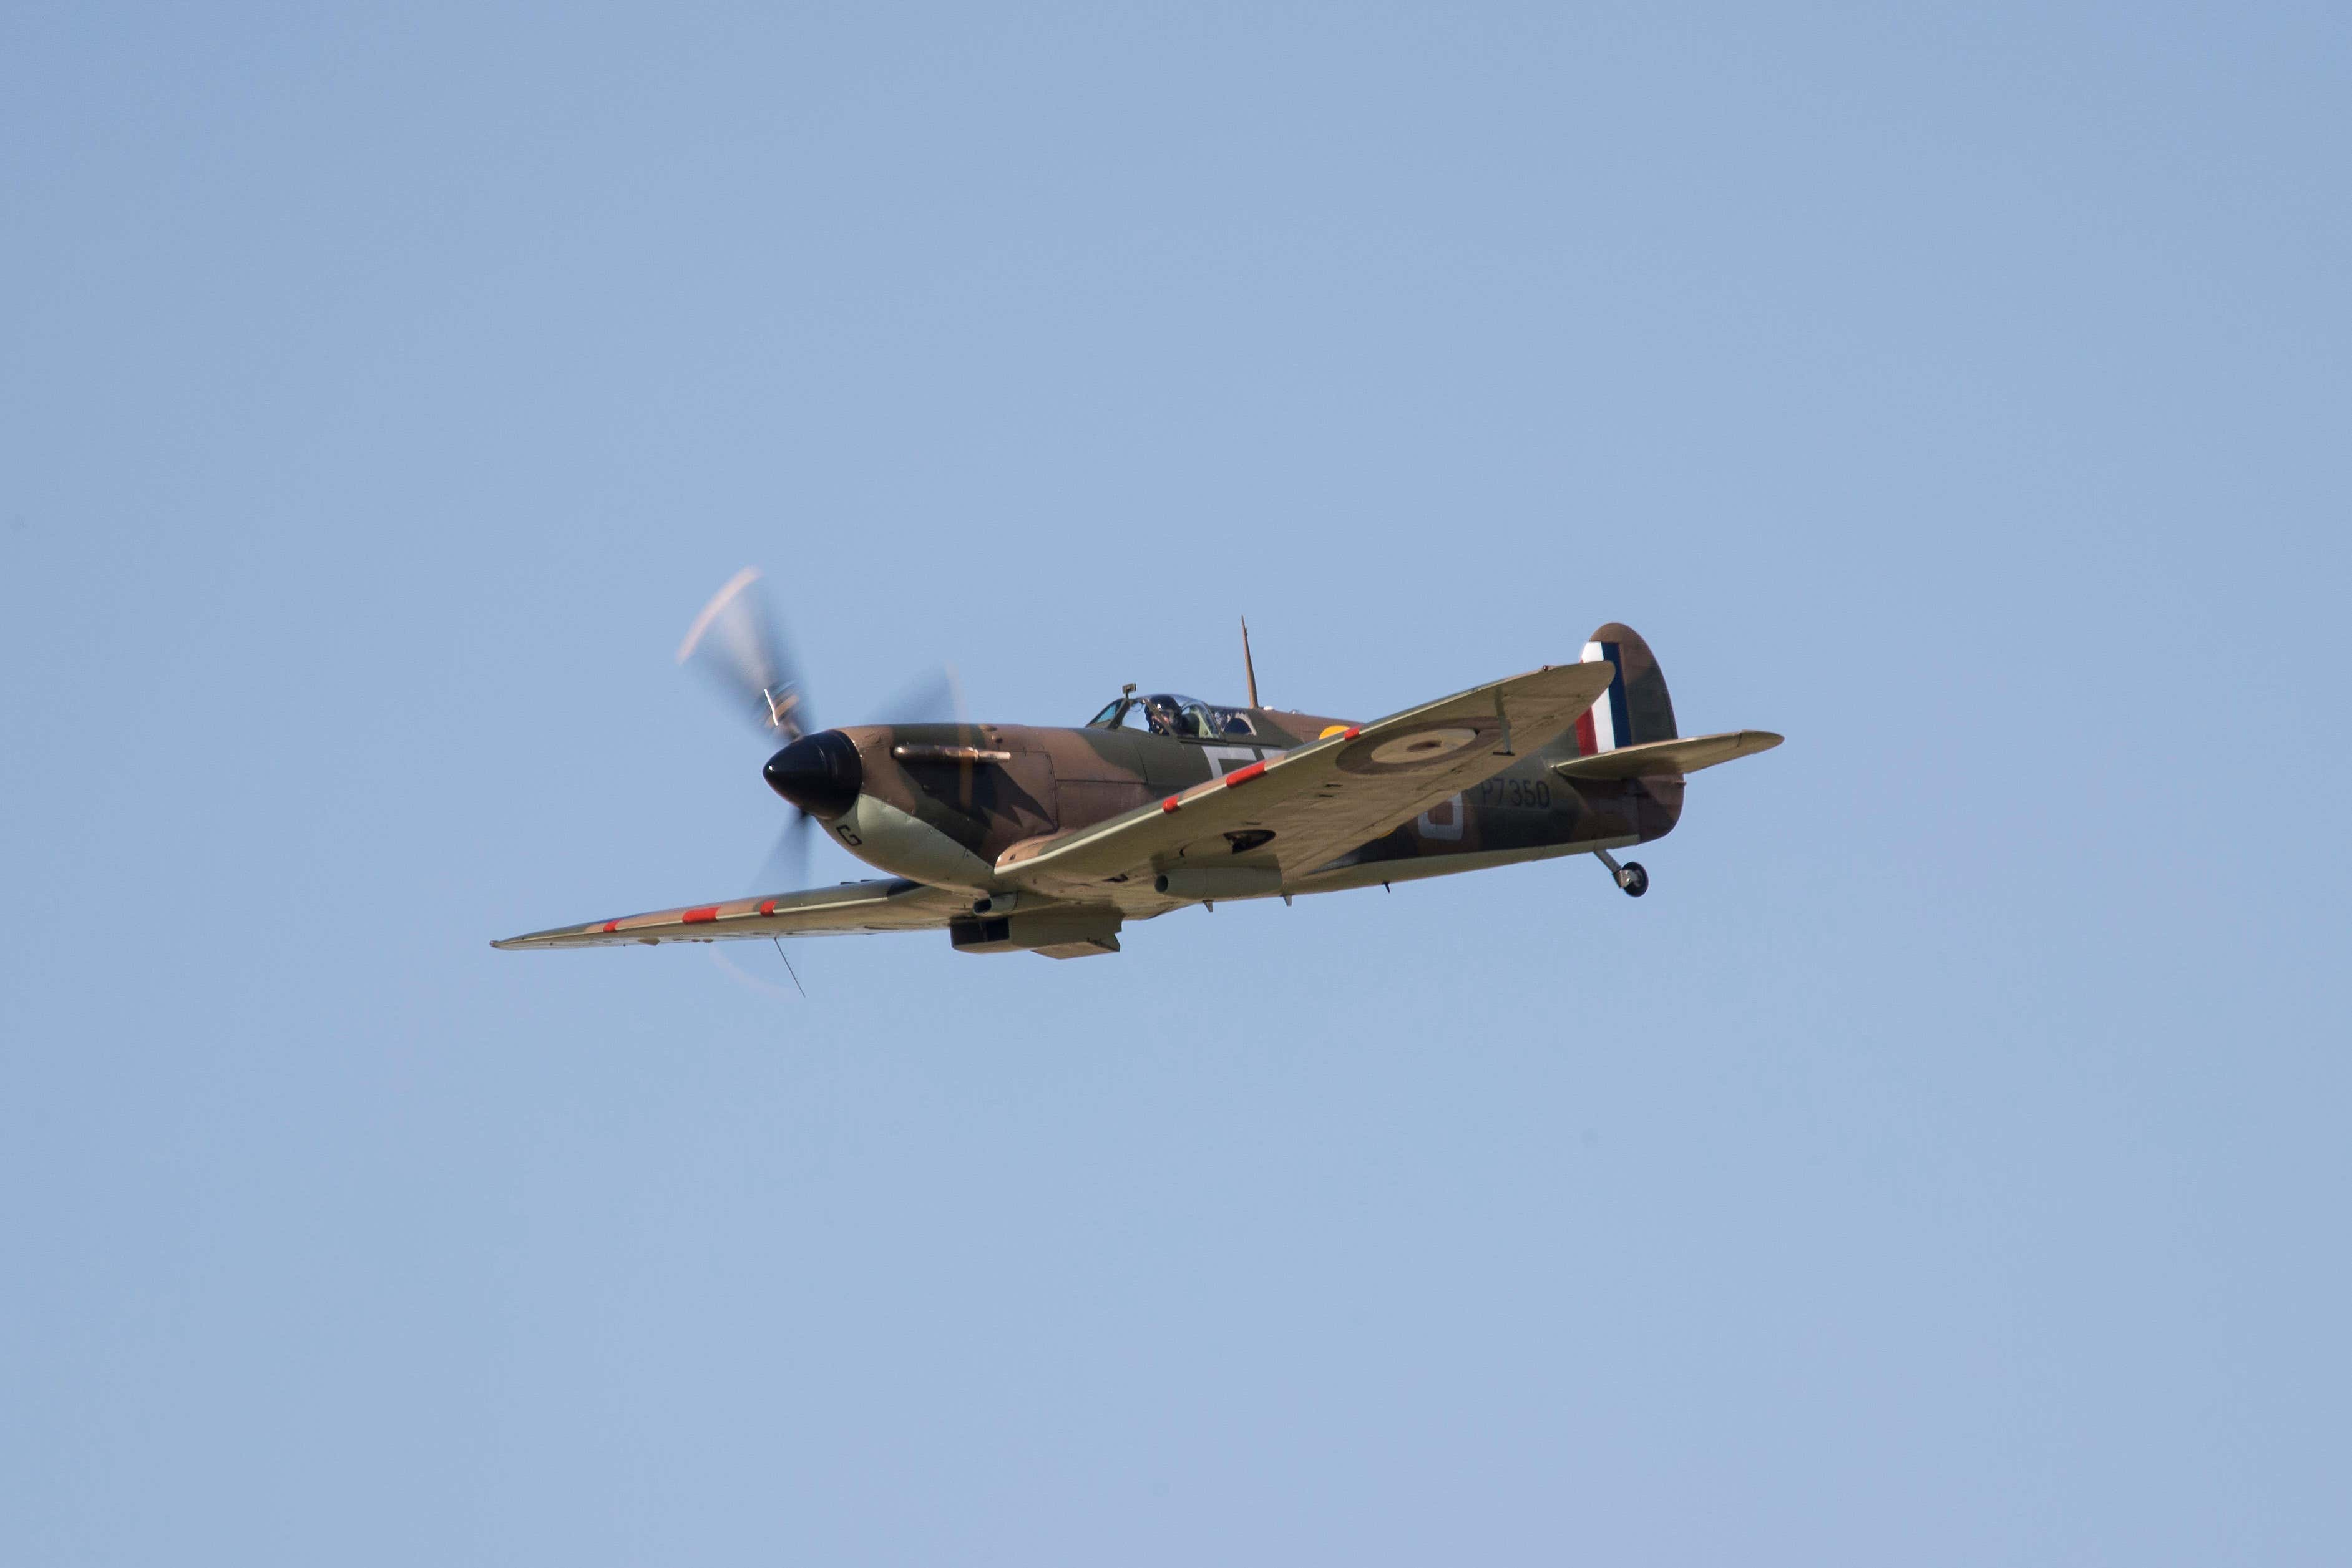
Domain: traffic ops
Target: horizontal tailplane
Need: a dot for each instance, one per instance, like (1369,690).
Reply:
(1657,758)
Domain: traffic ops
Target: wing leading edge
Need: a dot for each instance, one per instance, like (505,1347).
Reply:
(884,904)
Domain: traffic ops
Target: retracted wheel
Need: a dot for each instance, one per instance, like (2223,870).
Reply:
(1634,879)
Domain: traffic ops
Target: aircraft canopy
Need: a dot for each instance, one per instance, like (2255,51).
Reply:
(1168,712)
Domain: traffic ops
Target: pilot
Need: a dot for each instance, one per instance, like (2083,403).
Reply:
(1160,714)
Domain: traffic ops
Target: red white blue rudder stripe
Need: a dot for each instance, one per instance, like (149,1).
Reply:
(1605,726)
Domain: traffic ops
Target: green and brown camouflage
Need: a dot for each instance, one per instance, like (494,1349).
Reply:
(1041,839)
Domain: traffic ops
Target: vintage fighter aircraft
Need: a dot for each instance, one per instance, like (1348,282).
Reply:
(1019,839)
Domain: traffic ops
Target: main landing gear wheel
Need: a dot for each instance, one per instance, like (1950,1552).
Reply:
(1629,876)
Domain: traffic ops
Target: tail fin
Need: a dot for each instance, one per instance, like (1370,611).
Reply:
(1635,708)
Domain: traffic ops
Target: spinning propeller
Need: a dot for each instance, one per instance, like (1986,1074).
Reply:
(737,644)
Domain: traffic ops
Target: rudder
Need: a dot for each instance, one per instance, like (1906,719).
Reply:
(1635,708)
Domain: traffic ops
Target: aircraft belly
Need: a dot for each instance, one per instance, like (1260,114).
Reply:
(895,841)
(1352,873)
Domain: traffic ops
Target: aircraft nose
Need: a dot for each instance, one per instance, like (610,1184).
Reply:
(819,773)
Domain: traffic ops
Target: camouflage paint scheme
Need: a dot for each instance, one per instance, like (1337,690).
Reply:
(1021,837)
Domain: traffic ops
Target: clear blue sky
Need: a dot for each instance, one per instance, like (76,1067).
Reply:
(1945,1163)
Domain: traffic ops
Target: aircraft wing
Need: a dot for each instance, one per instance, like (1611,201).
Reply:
(1317,802)
(886,904)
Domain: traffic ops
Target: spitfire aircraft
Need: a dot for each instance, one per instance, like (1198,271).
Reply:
(1021,839)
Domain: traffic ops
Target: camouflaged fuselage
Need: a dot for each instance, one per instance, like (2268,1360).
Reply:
(985,788)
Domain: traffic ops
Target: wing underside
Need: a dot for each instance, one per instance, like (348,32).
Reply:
(885,904)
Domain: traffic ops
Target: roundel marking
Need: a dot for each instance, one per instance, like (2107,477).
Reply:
(1428,746)
(1417,750)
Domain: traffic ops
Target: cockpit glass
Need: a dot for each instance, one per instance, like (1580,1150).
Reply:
(1166,713)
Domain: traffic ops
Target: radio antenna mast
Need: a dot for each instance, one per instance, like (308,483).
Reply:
(1247,664)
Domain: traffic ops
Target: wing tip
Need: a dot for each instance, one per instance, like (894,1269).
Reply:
(536,939)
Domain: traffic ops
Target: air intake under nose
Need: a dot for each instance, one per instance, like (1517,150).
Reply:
(819,773)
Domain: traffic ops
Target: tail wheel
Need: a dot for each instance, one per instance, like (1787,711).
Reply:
(1634,879)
